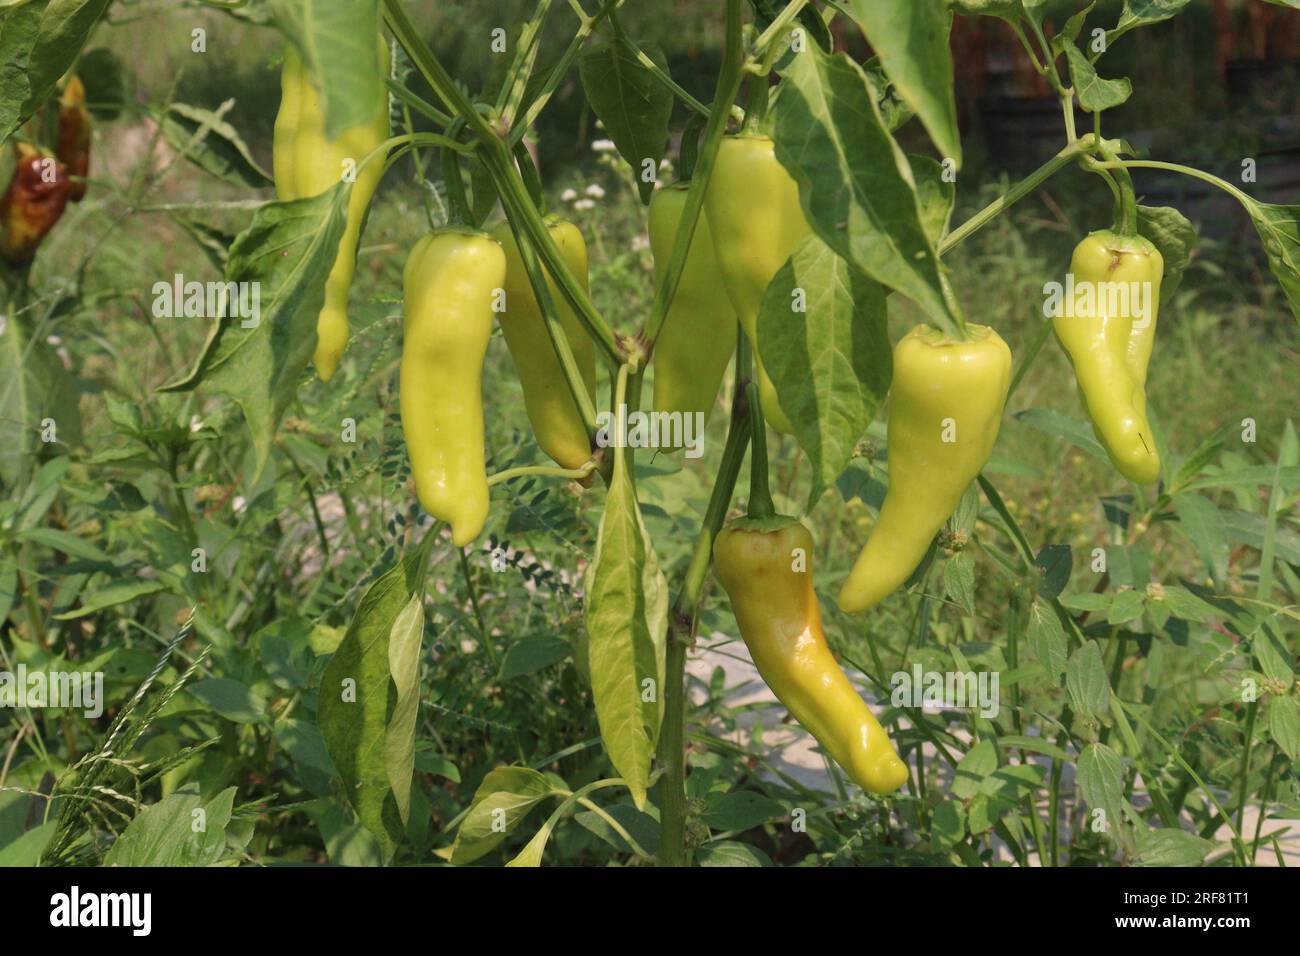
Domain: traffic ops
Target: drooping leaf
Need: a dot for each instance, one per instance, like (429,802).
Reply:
(826,347)
(633,106)
(626,622)
(259,359)
(856,185)
(365,710)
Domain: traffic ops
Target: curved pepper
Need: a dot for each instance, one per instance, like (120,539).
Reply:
(1116,302)
(766,569)
(698,336)
(756,222)
(74,134)
(557,423)
(449,282)
(945,406)
(306,163)
(37,195)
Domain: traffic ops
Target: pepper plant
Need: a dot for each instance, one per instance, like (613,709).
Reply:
(796,212)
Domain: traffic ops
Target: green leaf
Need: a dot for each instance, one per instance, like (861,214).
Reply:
(27,849)
(893,110)
(1143,12)
(1077,433)
(1095,94)
(63,541)
(1047,639)
(631,103)
(642,827)
(626,623)
(212,144)
(855,185)
(531,655)
(1127,607)
(287,253)
(826,347)
(113,595)
(339,46)
(1284,725)
(1009,10)
(503,799)
(935,195)
(980,762)
(1054,563)
(39,40)
(1101,781)
(741,810)
(35,389)
(360,704)
(727,853)
(1085,682)
(959,580)
(165,834)
(1170,847)
(1185,605)
(1175,236)
(948,824)
(1279,231)
(1200,519)
(911,39)
(231,699)
(404,664)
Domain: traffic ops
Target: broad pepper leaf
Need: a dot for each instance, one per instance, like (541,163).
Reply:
(1095,94)
(39,40)
(1279,231)
(503,799)
(1174,235)
(339,45)
(825,345)
(856,186)
(284,257)
(911,39)
(367,704)
(632,104)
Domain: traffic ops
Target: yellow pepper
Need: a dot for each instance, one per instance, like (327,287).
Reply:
(557,422)
(756,222)
(765,565)
(945,406)
(306,163)
(449,283)
(1109,339)
(699,334)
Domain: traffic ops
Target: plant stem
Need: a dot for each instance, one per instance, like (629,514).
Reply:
(681,631)
(729,78)
(1017,192)
(546,471)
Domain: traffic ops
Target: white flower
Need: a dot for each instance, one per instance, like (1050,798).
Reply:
(595,192)
(569,195)
(603,146)
(584,204)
